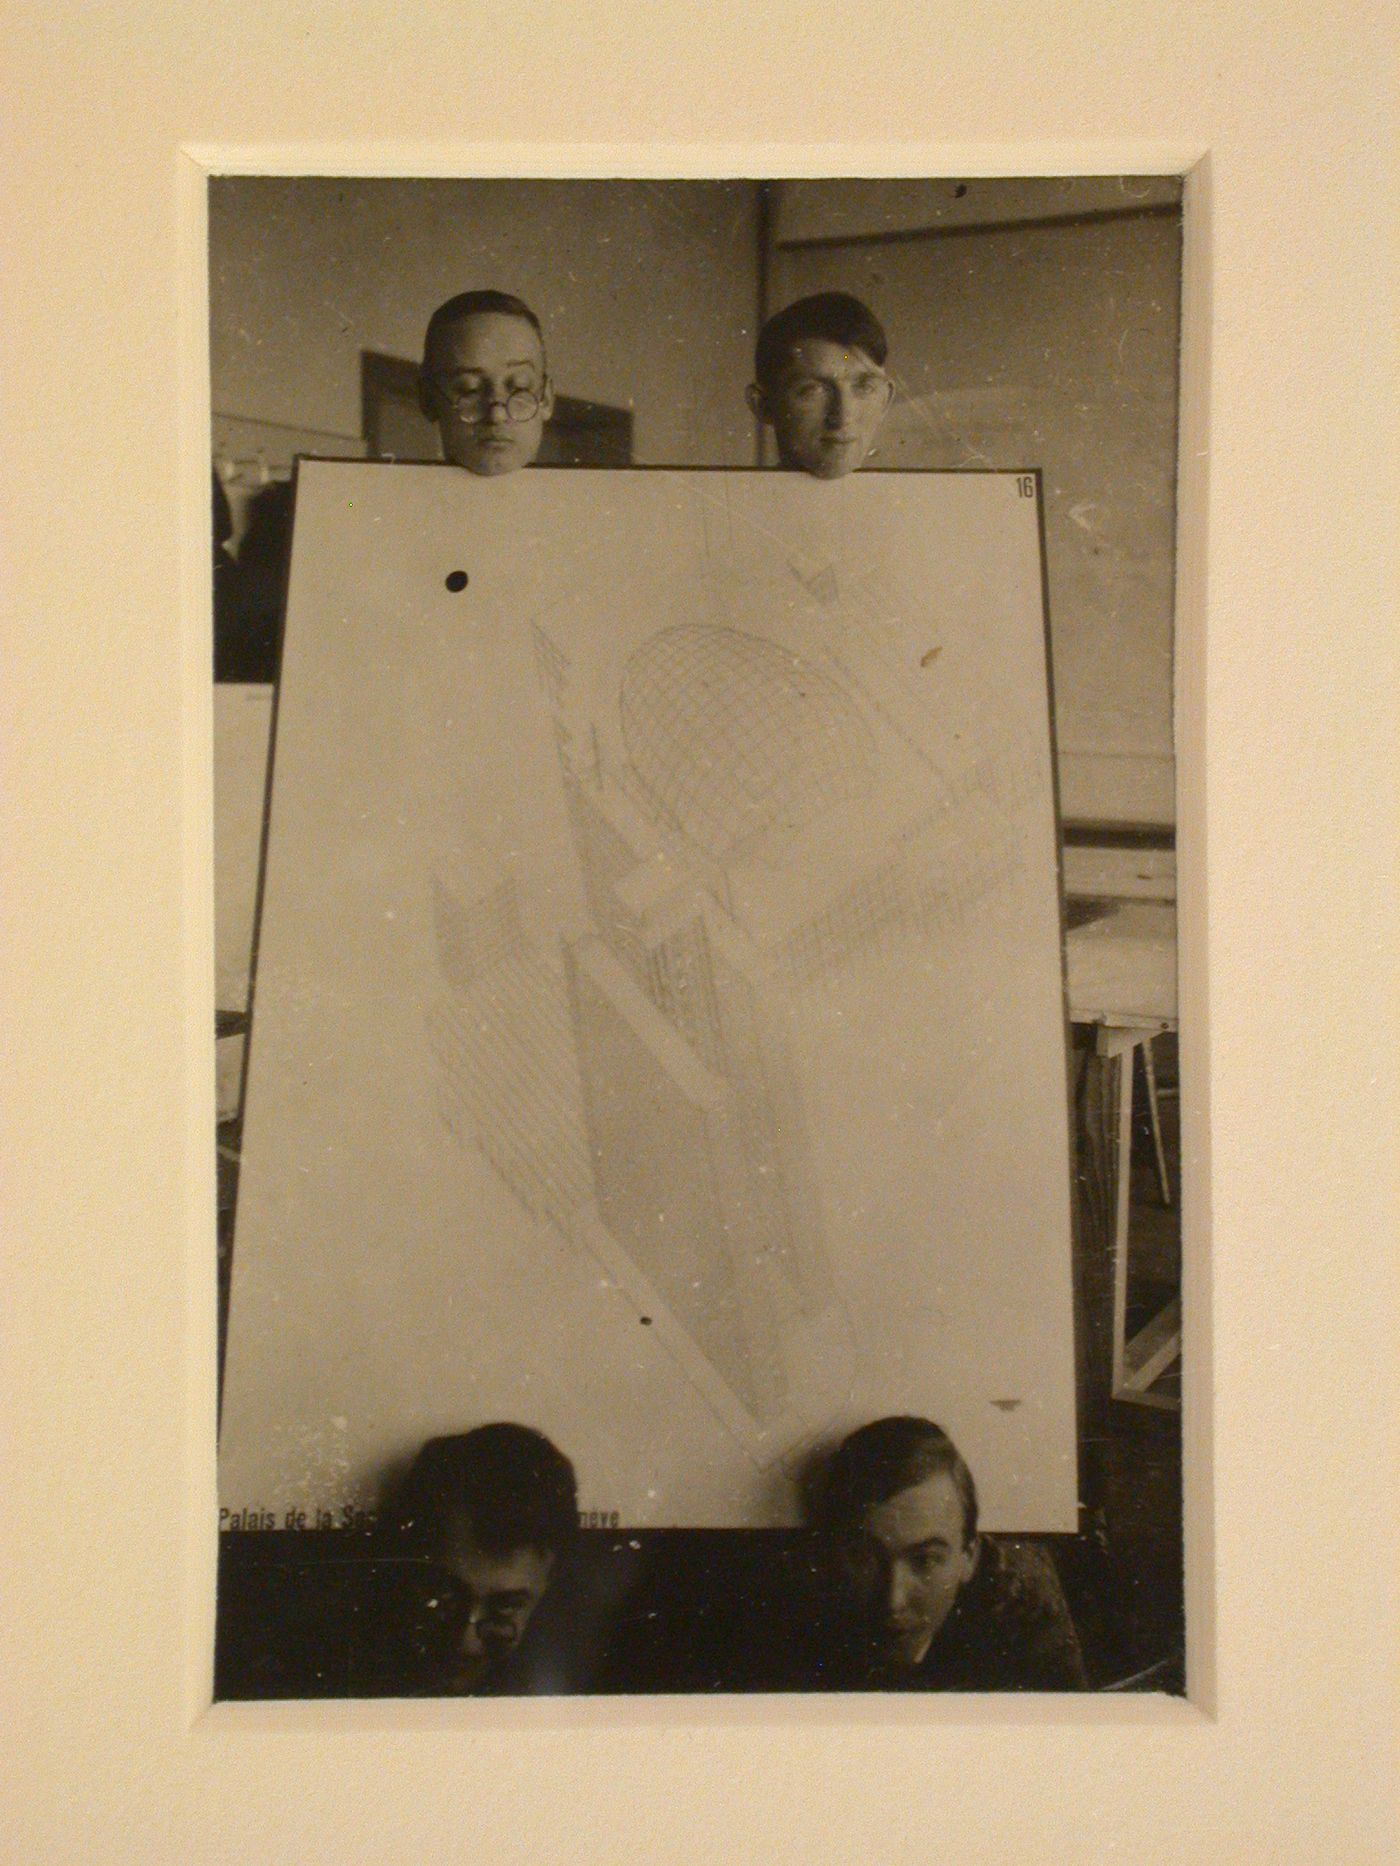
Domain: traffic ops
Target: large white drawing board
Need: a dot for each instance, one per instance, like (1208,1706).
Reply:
(658,1031)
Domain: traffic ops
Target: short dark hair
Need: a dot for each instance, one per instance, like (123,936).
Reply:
(836,316)
(515,1488)
(881,1459)
(477,304)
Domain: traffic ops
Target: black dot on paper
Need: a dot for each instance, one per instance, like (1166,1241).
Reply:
(456,580)
(645,1320)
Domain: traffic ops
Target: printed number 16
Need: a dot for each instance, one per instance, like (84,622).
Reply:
(1025,485)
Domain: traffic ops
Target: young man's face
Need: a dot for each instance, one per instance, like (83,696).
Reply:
(486,1601)
(914,1562)
(826,407)
(485,386)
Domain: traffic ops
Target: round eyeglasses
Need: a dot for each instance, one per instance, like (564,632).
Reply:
(476,404)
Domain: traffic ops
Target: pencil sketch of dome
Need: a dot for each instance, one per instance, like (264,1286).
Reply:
(735,738)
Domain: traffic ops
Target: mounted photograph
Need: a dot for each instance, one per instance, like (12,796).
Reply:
(698,1097)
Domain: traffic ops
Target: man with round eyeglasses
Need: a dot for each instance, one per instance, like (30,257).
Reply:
(474,1539)
(484,382)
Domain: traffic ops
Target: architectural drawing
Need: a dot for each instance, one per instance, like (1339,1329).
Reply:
(660,1020)
(748,823)
(507,1079)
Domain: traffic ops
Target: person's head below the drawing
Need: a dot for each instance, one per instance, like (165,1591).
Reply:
(488,1514)
(484,381)
(820,383)
(901,1505)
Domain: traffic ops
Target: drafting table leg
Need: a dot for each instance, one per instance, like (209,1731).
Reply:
(1121,1044)
(1136,1363)
(1154,1110)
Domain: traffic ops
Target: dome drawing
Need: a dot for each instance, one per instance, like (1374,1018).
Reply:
(734,738)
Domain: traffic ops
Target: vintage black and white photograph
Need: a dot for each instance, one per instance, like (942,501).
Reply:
(698,1099)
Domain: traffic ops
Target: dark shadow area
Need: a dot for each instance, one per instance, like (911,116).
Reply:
(308,1614)
(250,591)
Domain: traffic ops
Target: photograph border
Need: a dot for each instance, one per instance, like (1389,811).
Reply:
(198,166)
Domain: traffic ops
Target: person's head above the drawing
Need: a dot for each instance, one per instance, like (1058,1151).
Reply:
(820,383)
(488,1513)
(484,381)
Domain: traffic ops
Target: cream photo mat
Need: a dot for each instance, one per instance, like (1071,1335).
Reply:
(1286,522)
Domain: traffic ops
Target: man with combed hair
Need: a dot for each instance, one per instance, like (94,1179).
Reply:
(820,383)
(484,381)
(480,1525)
(925,1601)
